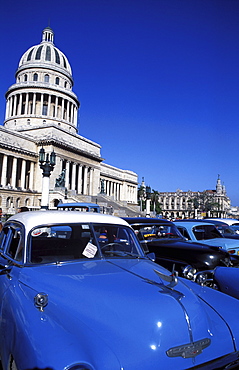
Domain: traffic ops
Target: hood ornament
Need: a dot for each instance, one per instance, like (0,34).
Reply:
(41,301)
(172,278)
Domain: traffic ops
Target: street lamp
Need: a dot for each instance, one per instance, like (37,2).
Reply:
(148,198)
(47,165)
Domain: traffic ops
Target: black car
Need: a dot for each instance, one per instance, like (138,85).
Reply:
(194,261)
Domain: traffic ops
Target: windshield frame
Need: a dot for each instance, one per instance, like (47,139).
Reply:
(92,248)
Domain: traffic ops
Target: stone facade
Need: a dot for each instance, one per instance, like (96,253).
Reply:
(41,111)
(179,204)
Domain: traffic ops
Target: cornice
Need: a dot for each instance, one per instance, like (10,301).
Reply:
(70,148)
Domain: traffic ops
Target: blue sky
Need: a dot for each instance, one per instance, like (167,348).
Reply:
(158,81)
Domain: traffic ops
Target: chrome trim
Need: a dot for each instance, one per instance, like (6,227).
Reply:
(41,301)
(189,350)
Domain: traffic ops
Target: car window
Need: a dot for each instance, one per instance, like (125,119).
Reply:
(204,232)
(184,232)
(150,232)
(69,242)
(12,242)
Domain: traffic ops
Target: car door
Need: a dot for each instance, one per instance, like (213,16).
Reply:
(11,254)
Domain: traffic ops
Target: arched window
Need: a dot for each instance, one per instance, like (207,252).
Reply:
(35,77)
(57,80)
(44,109)
(38,53)
(57,56)
(46,78)
(64,61)
(48,53)
(25,77)
(30,55)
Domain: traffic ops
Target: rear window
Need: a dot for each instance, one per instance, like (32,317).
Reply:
(204,232)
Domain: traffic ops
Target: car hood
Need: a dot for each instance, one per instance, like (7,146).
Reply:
(180,243)
(222,242)
(130,309)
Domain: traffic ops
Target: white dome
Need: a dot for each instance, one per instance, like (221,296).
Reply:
(46,54)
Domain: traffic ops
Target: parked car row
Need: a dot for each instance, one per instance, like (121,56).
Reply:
(78,292)
(194,261)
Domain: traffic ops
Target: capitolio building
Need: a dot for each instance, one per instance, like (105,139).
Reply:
(41,114)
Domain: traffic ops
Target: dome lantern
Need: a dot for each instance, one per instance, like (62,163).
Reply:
(47,35)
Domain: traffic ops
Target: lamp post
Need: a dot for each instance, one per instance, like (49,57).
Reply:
(47,165)
(148,198)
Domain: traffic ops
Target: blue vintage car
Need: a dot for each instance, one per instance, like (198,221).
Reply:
(78,293)
(228,280)
(206,233)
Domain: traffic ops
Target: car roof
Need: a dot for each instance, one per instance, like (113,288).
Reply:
(191,223)
(228,221)
(80,204)
(35,218)
(215,222)
(146,220)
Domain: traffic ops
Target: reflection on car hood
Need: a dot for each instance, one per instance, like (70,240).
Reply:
(180,243)
(121,300)
(222,242)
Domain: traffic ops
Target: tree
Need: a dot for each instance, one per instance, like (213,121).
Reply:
(155,205)
(203,202)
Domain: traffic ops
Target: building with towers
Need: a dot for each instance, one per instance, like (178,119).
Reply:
(192,204)
(41,111)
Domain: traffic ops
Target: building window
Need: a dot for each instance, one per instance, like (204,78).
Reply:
(35,77)
(64,61)
(38,53)
(57,80)
(57,57)
(30,55)
(48,53)
(46,78)
(25,77)
(44,109)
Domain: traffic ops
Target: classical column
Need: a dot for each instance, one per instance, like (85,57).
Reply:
(27,102)
(56,107)
(75,116)
(79,185)
(67,111)
(34,104)
(41,107)
(49,105)
(14,172)
(91,181)
(23,174)
(4,171)
(67,175)
(73,177)
(62,108)
(19,111)
(72,113)
(32,165)
(15,105)
(7,110)
(85,181)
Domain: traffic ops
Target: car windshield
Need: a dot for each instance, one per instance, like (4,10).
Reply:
(151,232)
(235,227)
(59,243)
(204,232)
